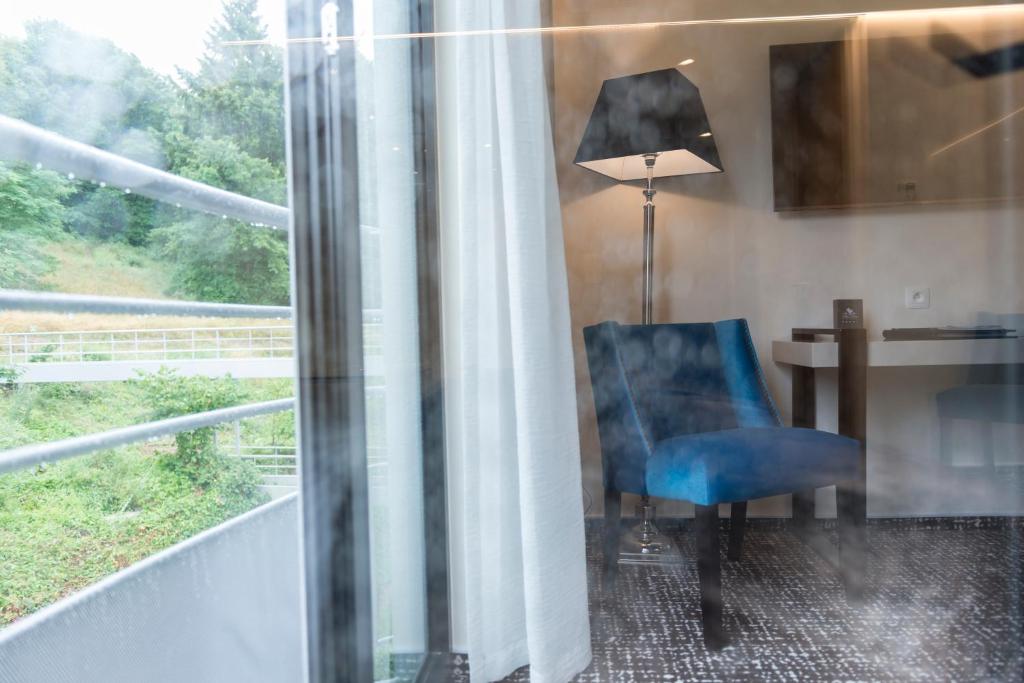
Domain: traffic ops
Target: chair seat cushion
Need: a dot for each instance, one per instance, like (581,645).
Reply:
(985,402)
(754,462)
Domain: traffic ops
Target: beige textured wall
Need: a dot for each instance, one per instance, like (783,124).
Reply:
(722,252)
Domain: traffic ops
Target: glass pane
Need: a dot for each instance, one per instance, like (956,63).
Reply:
(734,183)
(121,127)
(387,205)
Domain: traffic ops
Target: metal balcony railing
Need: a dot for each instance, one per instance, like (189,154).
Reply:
(54,451)
(29,144)
(24,142)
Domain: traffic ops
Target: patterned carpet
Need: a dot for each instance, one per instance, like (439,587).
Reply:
(945,604)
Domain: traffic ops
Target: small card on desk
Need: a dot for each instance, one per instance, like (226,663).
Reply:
(848,313)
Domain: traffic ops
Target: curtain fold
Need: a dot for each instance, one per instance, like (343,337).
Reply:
(517,543)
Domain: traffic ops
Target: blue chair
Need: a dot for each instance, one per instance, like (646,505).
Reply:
(683,412)
(993,393)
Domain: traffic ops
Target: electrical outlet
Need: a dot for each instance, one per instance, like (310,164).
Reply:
(917,297)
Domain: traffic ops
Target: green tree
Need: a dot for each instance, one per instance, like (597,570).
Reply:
(86,88)
(90,90)
(31,213)
(231,136)
(223,125)
(171,395)
(238,91)
(219,259)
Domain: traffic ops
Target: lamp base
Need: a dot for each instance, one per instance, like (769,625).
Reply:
(644,544)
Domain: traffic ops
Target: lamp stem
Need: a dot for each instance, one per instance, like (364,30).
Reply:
(645,510)
(648,293)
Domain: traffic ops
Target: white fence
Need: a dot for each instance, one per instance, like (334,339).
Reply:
(198,343)
(173,344)
(280,461)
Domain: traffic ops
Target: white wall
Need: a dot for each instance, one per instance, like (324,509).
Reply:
(722,252)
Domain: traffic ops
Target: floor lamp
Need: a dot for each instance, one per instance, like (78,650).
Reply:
(648,126)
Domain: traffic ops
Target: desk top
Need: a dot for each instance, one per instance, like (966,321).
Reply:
(905,353)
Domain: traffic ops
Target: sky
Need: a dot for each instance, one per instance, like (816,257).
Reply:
(162,33)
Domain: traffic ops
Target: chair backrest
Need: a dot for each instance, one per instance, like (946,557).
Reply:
(654,382)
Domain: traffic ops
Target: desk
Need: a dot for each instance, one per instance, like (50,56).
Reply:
(893,354)
(852,355)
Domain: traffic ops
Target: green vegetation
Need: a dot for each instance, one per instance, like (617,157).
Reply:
(222,125)
(8,379)
(31,214)
(107,269)
(66,525)
(195,456)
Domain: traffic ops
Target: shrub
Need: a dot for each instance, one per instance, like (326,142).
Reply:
(171,395)
(8,378)
(45,354)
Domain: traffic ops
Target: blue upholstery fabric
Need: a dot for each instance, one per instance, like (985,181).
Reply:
(683,412)
(747,463)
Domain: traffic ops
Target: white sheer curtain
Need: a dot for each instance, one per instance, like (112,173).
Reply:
(519,575)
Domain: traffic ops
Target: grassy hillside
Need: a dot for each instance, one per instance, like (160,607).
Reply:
(66,525)
(108,269)
(69,524)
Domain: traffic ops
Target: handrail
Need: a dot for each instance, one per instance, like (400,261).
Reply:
(147,330)
(54,451)
(22,141)
(22,300)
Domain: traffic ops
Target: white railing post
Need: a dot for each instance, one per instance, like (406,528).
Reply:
(113,352)
(216,338)
(81,347)
(24,339)
(238,438)
(193,343)
(136,336)
(165,344)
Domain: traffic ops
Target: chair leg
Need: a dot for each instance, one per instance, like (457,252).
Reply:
(709,568)
(852,512)
(612,531)
(737,525)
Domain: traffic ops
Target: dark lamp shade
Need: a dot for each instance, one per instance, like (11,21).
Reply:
(656,112)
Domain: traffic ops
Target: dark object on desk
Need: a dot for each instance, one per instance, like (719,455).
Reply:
(925,333)
(684,413)
(848,313)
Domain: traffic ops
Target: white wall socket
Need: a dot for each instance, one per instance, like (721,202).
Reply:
(917,297)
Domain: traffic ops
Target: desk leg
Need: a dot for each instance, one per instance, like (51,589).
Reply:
(804,415)
(851,497)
